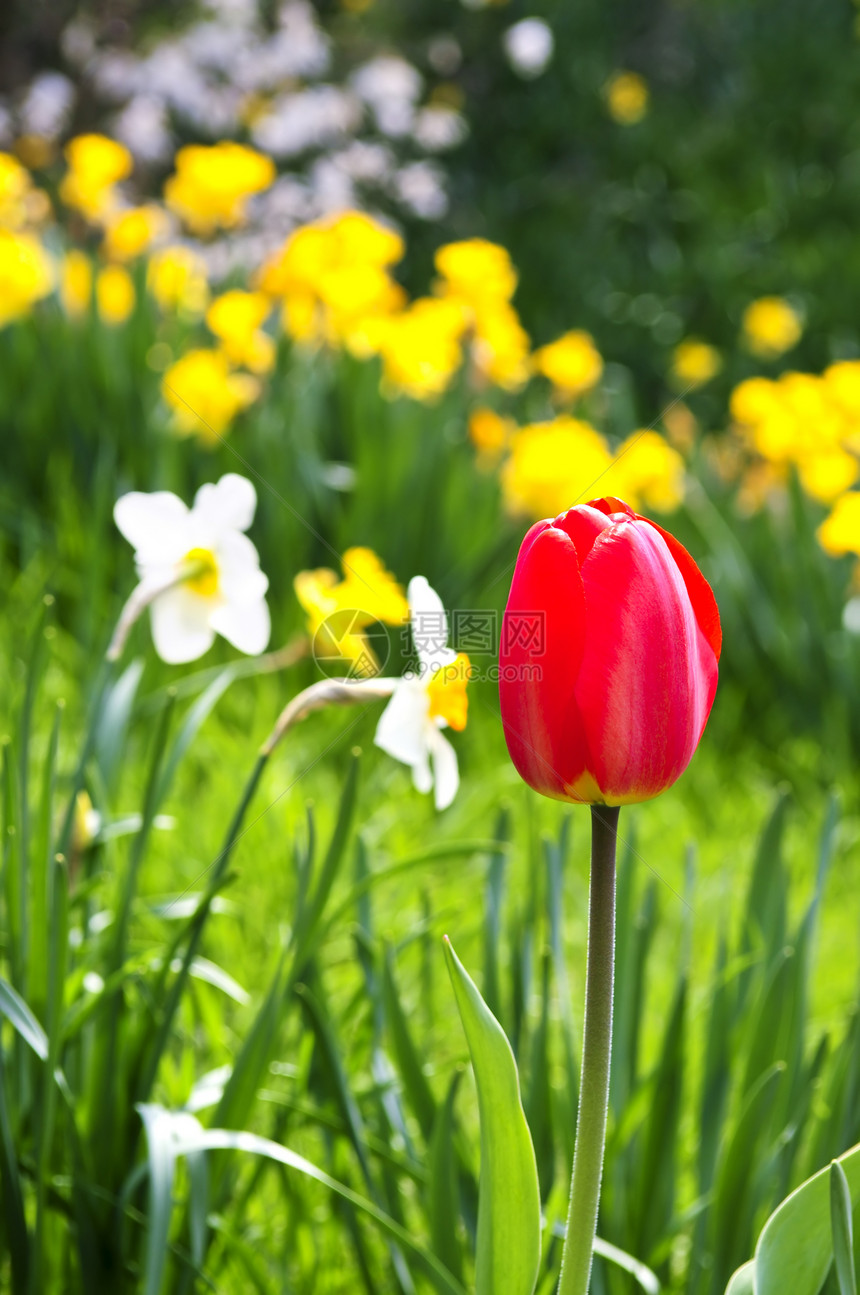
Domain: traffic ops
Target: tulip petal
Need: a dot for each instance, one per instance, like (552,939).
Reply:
(701,594)
(648,673)
(583,524)
(543,727)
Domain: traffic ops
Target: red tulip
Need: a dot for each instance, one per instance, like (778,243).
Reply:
(608,661)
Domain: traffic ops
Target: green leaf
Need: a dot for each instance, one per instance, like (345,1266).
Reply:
(640,1272)
(16,1011)
(795,1250)
(841,1230)
(743,1281)
(444,1192)
(509,1224)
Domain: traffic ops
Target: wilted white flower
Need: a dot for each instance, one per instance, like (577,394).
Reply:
(312,118)
(142,127)
(47,105)
(419,186)
(199,574)
(438,128)
(529,45)
(424,703)
(444,55)
(391,87)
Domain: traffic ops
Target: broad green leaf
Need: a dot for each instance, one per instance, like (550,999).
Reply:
(743,1281)
(841,1230)
(795,1250)
(509,1223)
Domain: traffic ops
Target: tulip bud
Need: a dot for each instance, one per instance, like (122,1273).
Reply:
(610,644)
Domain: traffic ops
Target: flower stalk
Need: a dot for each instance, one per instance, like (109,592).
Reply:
(596,1053)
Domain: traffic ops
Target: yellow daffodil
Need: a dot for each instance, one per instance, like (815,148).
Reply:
(647,473)
(553,465)
(421,348)
(572,363)
(840,532)
(115,295)
(334,279)
(236,319)
(176,277)
(500,346)
(76,283)
(340,610)
(694,363)
(771,326)
(490,434)
(15,189)
(212,184)
(205,395)
(131,232)
(627,97)
(96,165)
(476,271)
(26,274)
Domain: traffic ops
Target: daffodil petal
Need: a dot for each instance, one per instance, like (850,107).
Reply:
(246,625)
(156,525)
(446,774)
(239,576)
(228,504)
(429,626)
(181,629)
(401,731)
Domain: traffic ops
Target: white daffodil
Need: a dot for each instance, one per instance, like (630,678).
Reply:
(424,703)
(198,573)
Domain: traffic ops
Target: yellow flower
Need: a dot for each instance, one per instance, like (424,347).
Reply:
(15,187)
(572,363)
(695,363)
(842,381)
(213,183)
(26,274)
(96,164)
(236,319)
(421,349)
(500,347)
(76,283)
(115,294)
(476,271)
(339,610)
(489,432)
(827,474)
(753,400)
(647,473)
(627,97)
(132,231)
(334,279)
(771,326)
(176,277)
(554,465)
(840,532)
(205,395)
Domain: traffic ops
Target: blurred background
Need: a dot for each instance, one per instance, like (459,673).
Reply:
(424,273)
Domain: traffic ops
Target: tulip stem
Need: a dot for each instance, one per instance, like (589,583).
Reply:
(596,1052)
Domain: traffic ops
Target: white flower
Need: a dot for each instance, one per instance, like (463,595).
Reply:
(424,703)
(529,45)
(198,572)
